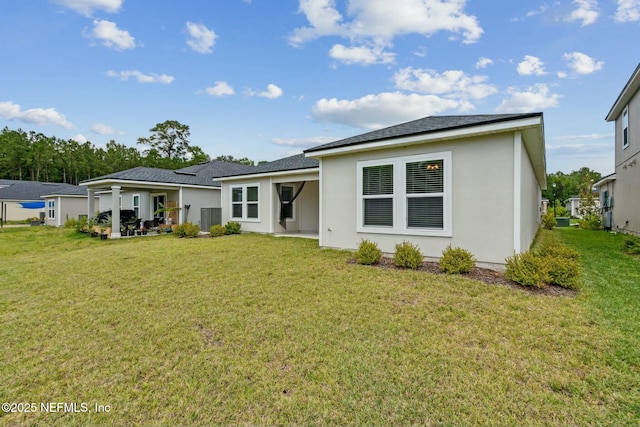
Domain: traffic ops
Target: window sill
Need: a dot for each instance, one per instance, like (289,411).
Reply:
(405,232)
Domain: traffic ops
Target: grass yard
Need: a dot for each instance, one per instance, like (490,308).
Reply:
(256,330)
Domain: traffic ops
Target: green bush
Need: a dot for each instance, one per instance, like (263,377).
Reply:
(555,249)
(217,231)
(548,221)
(457,260)
(187,230)
(526,268)
(233,227)
(368,253)
(561,271)
(407,255)
(71,223)
(590,222)
(81,225)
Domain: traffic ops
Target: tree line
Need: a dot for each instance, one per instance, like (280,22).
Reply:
(34,156)
(569,185)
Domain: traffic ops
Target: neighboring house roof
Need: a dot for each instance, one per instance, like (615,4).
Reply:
(605,180)
(422,126)
(297,162)
(200,175)
(625,96)
(74,191)
(31,190)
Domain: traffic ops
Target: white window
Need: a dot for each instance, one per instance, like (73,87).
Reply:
(136,205)
(51,209)
(405,195)
(245,201)
(625,128)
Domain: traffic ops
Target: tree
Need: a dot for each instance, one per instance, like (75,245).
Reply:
(242,161)
(170,139)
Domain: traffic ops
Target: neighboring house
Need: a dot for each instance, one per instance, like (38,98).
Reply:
(605,186)
(572,205)
(20,200)
(60,205)
(145,190)
(625,113)
(469,181)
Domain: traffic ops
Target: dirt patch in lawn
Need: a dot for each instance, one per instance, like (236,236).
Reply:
(486,275)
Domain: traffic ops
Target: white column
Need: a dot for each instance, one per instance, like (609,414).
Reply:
(115,212)
(91,202)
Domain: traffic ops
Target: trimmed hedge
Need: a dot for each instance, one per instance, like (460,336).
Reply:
(368,253)
(457,260)
(407,255)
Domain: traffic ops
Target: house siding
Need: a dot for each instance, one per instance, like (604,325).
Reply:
(66,207)
(198,199)
(531,195)
(482,199)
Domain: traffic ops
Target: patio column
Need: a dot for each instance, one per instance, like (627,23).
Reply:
(115,212)
(91,202)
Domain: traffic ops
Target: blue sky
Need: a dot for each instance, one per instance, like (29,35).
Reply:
(265,79)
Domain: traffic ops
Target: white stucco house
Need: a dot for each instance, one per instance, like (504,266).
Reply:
(65,203)
(472,181)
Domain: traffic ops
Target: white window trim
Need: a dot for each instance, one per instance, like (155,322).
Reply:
(244,217)
(51,209)
(400,196)
(133,203)
(625,125)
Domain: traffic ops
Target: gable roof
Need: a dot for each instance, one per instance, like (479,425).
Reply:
(291,163)
(426,125)
(625,96)
(32,190)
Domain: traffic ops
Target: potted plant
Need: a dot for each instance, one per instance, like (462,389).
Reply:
(143,230)
(167,212)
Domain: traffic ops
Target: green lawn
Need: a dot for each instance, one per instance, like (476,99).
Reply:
(256,330)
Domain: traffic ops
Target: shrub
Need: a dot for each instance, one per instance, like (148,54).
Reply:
(555,249)
(561,271)
(217,230)
(187,230)
(233,227)
(71,223)
(407,255)
(368,253)
(590,222)
(525,268)
(548,221)
(456,260)
(631,245)
(81,225)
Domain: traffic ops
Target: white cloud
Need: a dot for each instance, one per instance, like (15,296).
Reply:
(220,89)
(384,109)
(378,22)
(587,12)
(38,116)
(361,55)
(628,11)
(80,138)
(140,77)
(531,65)
(102,129)
(483,63)
(452,83)
(111,36)
(86,7)
(201,39)
(303,142)
(534,98)
(581,63)
(272,92)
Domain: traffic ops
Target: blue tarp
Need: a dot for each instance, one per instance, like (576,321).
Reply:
(32,205)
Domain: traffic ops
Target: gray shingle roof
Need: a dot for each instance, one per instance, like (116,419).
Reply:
(297,162)
(201,174)
(422,126)
(33,190)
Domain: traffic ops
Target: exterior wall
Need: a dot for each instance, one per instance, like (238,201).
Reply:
(265,205)
(482,199)
(198,199)
(308,207)
(66,207)
(530,211)
(626,212)
(15,212)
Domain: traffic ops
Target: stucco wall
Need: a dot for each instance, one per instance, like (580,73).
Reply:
(627,202)
(198,199)
(15,212)
(265,205)
(67,207)
(530,212)
(482,199)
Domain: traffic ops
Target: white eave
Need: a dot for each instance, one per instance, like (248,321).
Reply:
(607,179)
(269,174)
(107,183)
(625,96)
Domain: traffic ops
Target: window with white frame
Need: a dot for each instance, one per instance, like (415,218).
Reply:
(136,205)
(405,195)
(51,209)
(625,127)
(245,201)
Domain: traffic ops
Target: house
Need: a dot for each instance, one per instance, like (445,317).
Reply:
(20,200)
(65,203)
(625,113)
(470,181)
(572,205)
(145,190)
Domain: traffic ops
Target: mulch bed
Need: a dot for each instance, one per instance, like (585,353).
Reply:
(486,275)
